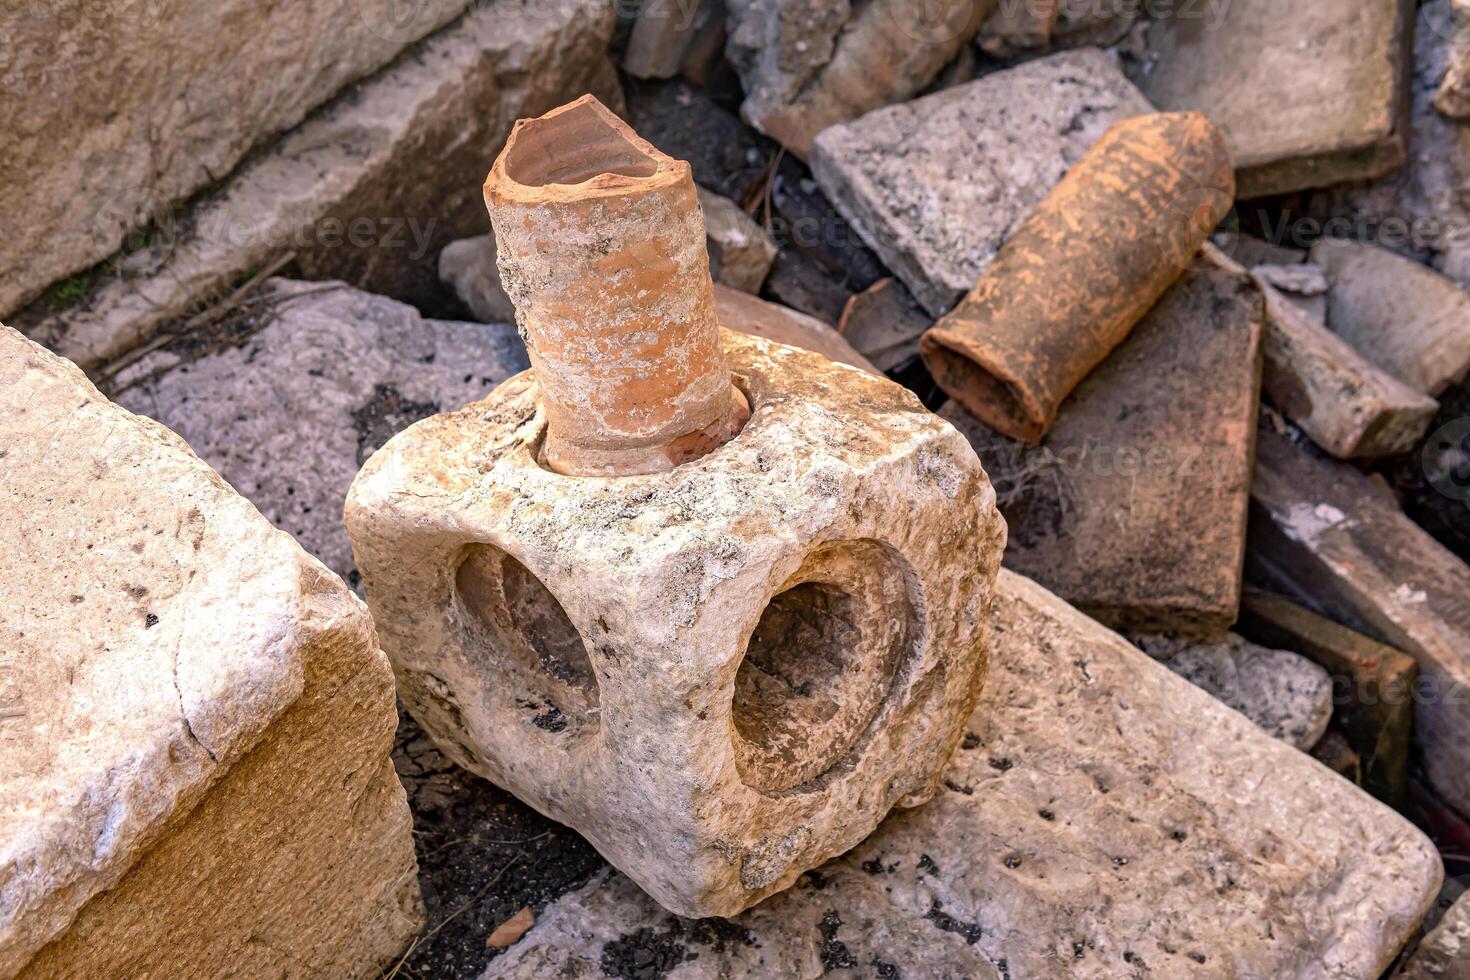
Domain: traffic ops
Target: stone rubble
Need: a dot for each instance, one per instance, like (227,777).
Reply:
(1284,693)
(289,416)
(1321,535)
(404,151)
(468,268)
(1134,507)
(1101,813)
(196,756)
(935,186)
(1406,318)
(109,87)
(1374,692)
(810,64)
(1349,406)
(1309,93)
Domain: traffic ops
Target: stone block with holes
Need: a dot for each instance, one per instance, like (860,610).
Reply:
(723,674)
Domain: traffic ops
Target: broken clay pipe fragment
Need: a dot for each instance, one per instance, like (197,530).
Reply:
(602,250)
(1083,269)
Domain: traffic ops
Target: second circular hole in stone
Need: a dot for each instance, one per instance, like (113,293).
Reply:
(819,665)
(528,634)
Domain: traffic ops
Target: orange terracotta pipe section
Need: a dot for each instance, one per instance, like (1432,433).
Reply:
(1084,268)
(602,250)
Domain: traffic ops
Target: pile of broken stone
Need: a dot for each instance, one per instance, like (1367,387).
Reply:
(1107,296)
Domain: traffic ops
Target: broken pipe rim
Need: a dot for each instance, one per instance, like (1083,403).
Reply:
(1086,266)
(601,247)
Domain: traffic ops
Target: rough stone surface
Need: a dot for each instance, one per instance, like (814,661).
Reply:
(1453,98)
(399,157)
(468,267)
(1321,534)
(129,108)
(1134,506)
(182,686)
(937,185)
(1348,405)
(1374,700)
(810,64)
(1284,693)
(1406,318)
(1444,954)
(290,414)
(740,251)
(1103,818)
(1421,208)
(720,675)
(1308,93)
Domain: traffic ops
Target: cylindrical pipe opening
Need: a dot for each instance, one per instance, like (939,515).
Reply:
(602,249)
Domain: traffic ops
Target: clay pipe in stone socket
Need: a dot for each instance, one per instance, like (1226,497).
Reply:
(1084,268)
(602,249)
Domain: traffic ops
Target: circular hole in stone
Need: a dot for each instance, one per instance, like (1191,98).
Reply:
(820,664)
(518,628)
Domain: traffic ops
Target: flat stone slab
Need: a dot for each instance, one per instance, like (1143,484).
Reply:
(1308,92)
(368,190)
(1284,693)
(1403,316)
(1102,818)
(1323,535)
(1134,506)
(290,415)
(935,186)
(94,158)
(195,718)
(1421,208)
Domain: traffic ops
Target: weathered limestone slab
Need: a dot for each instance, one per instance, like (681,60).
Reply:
(1308,93)
(1444,954)
(1284,693)
(118,111)
(935,186)
(1374,683)
(1323,536)
(1349,406)
(740,251)
(196,723)
(1401,315)
(1421,209)
(752,315)
(1103,818)
(720,674)
(367,190)
(1134,506)
(290,415)
(810,64)
(884,323)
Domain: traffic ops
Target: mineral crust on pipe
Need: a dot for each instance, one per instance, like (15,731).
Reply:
(1083,269)
(602,250)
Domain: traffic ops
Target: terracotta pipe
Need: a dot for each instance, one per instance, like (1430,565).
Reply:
(602,250)
(1089,262)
